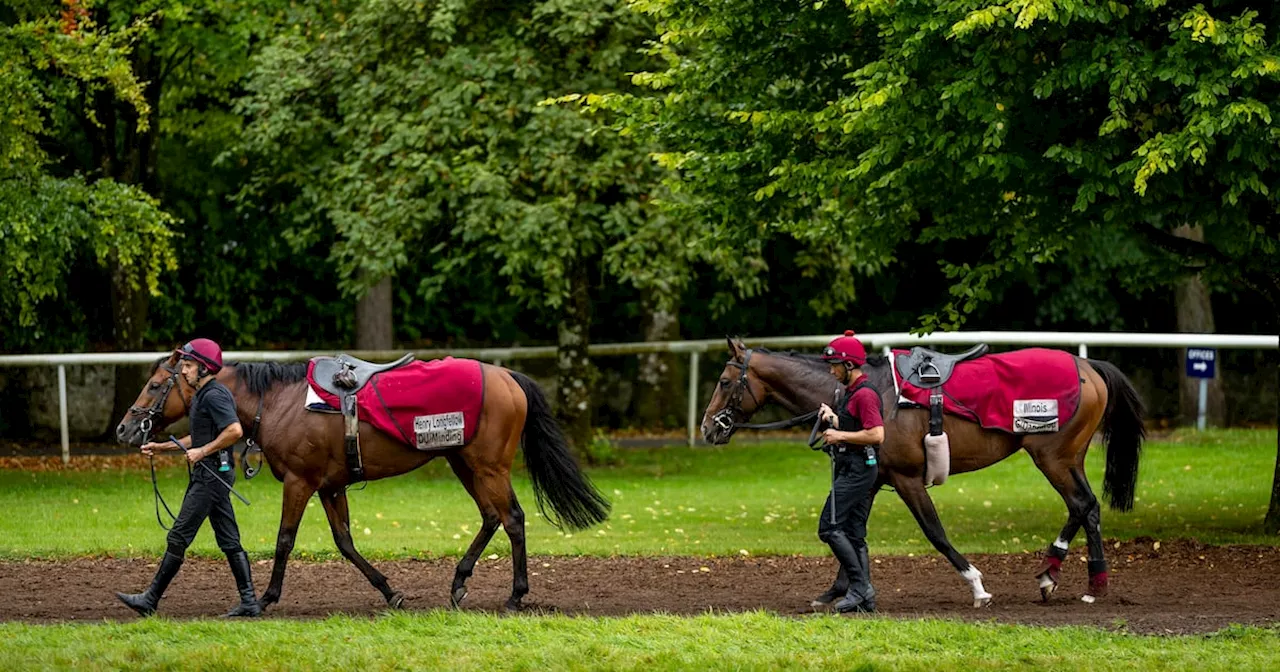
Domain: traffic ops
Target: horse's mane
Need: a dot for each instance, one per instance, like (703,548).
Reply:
(876,368)
(259,378)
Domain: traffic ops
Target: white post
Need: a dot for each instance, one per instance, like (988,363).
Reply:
(1204,401)
(62,413)
(694,358)
(1084,351)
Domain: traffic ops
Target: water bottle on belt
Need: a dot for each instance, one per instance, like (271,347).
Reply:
(871,455)
(224,464)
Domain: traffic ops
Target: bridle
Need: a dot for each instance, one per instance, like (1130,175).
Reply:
(156,410)
(724,418)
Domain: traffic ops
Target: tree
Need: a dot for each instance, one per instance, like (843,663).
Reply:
(1000,137)
(407,127)
(52,220)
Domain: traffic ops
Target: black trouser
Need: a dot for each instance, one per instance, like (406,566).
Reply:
(206,498)
(851,489)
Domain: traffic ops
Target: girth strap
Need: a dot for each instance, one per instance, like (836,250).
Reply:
(351,440)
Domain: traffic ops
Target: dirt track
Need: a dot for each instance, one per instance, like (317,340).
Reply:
(1181,588)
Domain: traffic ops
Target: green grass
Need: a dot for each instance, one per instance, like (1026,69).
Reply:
(762,498)
(450,640)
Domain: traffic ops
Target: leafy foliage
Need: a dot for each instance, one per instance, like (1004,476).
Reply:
(50,223)
(1001,137)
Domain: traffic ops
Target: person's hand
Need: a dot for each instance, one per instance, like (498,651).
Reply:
(149,449)
(195,455)
(828,416)
(831,436)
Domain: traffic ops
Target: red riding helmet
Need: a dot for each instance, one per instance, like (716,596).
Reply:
(845,349)
(203,351)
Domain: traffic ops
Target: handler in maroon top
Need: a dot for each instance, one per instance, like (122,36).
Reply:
(856,431)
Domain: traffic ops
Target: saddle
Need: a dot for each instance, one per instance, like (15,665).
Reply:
(343,376)
(927,369)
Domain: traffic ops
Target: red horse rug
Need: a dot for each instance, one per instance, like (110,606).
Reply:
(426,405)
(1030,391)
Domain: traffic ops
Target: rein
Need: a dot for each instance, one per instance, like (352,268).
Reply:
(156,410)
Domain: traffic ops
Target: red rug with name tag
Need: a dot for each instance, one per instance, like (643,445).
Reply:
(425,405)
(1030,391)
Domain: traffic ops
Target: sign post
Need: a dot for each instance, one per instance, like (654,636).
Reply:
(1202,364)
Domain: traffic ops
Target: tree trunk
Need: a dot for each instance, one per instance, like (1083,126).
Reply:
(1195,315)
(1272,522)
(659,397)
(129,160)
(129,325)
(575,377)
(373,318)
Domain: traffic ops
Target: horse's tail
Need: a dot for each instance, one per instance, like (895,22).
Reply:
(1123,432)
(557,479)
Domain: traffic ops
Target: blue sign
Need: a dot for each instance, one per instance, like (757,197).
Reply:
(1201,362)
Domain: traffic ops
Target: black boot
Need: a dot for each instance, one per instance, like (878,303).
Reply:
(861,596)
(145,603)
(836,591)
(249,605)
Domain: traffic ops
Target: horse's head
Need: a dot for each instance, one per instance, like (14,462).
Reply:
(164,399)
(739,394)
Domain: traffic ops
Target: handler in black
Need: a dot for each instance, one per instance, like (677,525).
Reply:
(857,429)
(214,428)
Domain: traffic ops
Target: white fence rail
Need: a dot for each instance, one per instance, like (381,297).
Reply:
(1080,340)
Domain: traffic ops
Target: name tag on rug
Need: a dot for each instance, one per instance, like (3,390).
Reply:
(1035,416)
(439,430)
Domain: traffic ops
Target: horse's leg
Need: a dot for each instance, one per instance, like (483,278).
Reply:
(489,521)
(1092,519)
(1079,501)
(513,523)
(296,493)
(335,507)
(913,494)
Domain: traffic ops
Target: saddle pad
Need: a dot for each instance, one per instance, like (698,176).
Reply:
(1030,391)
(425,405)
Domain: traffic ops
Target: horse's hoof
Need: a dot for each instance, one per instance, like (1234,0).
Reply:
(396,601)
(268,599)
(514,606)
(981,601)
(459,594)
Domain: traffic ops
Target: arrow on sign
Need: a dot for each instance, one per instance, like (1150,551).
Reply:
(1200,366)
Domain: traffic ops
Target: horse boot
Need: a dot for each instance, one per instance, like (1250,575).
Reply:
(145,603)
(249,605)
(835,592)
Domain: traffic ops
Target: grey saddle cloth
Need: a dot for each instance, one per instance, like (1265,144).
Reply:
(925,368)
(345,374)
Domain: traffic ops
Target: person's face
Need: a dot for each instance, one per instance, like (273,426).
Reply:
(190,372)
(839,371)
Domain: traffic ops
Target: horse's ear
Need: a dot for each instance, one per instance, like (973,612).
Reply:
(735,347)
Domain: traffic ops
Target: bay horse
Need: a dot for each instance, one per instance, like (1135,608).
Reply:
(305,451)
(800,383)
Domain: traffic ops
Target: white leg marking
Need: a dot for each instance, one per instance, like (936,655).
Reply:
(1061,543)
(981,597)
